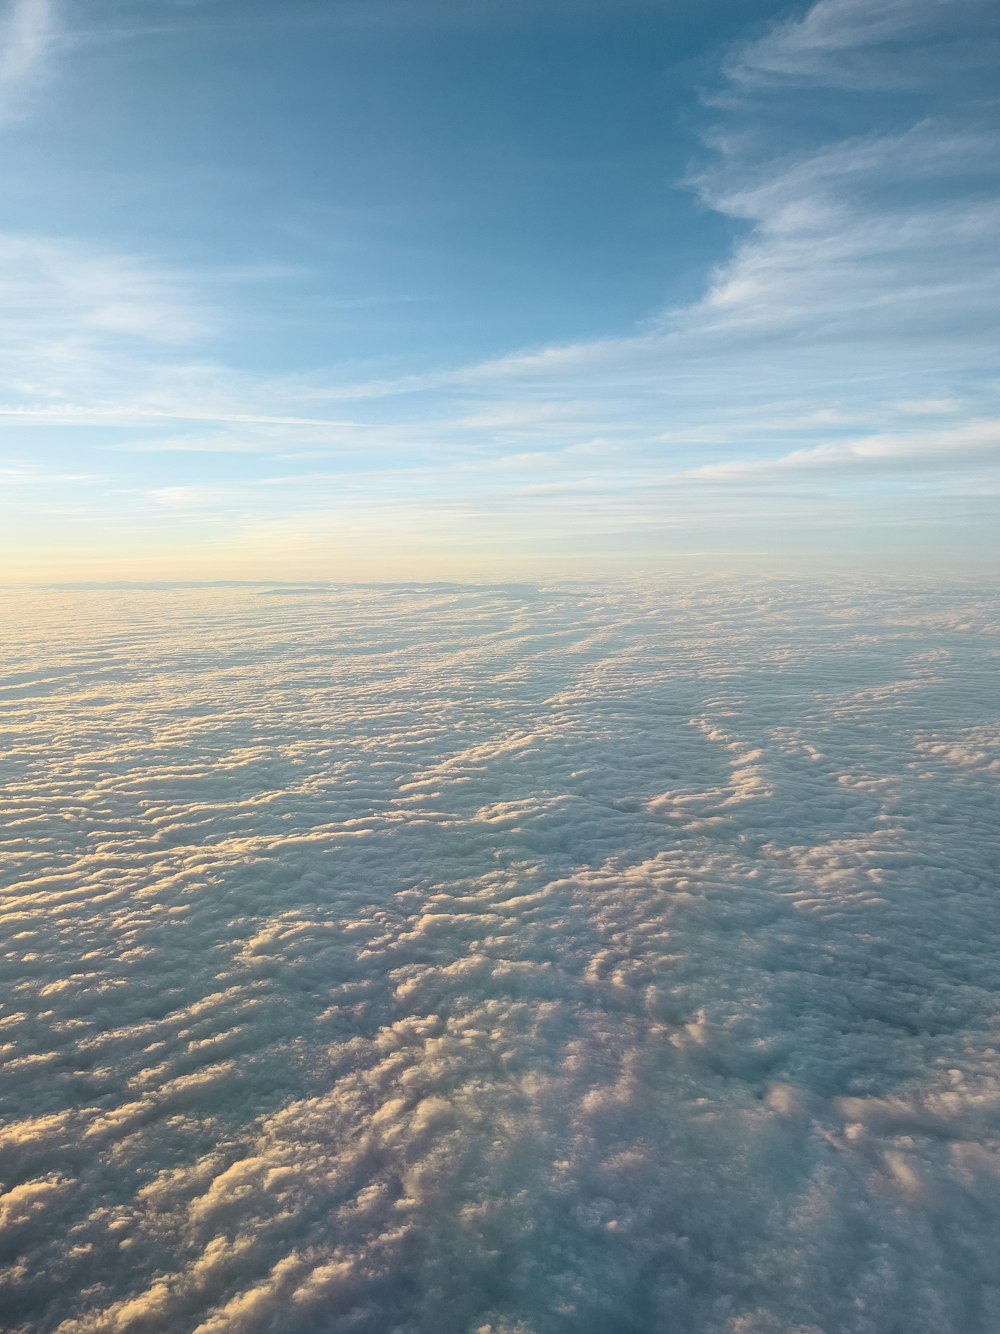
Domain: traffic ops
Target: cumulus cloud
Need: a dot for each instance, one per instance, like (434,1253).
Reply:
(500,959)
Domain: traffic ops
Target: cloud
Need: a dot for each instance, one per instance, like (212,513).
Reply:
(27,34)
(74,317)
(976,443)
(581,957)
(846,44)
(89,292)
(183,495)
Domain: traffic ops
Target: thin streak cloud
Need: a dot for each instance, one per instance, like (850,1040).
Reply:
(27,37)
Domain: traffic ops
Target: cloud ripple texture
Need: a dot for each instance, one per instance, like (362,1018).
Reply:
(500,960)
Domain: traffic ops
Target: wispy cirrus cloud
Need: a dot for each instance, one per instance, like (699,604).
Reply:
(975,443)
(852,45)
(27,36)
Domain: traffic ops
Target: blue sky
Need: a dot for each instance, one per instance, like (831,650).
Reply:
(437,289)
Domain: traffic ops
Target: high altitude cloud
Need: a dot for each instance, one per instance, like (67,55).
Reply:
(27,31)
(500,959)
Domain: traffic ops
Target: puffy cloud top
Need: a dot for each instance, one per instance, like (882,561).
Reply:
(501,960)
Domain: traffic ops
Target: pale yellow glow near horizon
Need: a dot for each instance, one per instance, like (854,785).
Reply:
(467,542)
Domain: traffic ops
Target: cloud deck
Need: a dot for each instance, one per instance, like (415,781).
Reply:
(501,960)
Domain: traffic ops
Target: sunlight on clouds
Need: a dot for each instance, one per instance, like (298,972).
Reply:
(549,959)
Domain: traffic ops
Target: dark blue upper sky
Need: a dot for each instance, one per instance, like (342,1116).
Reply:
(456,176)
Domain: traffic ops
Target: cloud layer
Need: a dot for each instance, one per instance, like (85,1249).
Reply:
(500,959)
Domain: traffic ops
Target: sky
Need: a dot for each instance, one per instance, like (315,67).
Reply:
(428,288)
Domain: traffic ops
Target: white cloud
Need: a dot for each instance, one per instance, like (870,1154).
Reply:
(74,318)
(976,442)
(183,495)
(601,958)
(27,32)
(850,44)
